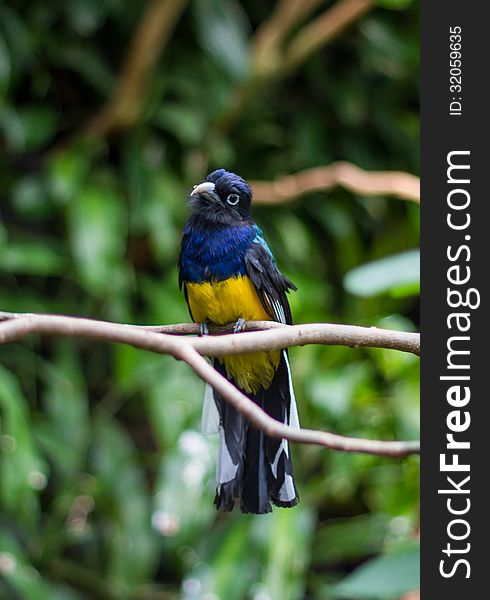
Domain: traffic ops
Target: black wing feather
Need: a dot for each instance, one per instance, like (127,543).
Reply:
(271,285)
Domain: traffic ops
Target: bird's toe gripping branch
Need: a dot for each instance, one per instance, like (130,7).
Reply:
(239,325)
(203,328)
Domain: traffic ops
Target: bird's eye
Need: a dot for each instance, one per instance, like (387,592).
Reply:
(233,199)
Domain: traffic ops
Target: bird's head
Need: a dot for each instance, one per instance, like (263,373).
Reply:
(222,198)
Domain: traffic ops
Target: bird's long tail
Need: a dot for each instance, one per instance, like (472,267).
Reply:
(253,467)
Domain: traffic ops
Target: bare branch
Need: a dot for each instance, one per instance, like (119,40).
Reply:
(269,37)
(319,32)
(273,57)
(123,109)
(320,179)
(162,339)
(14,327)
(329,334)
(274,428)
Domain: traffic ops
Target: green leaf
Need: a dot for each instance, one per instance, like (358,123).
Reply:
(173,402)
(5,65)
(97,223)
(290,538)
(232,569)
(32,258)
(18,35)
(384,275)
(222,29)
(67,173)
(35,126)
(384,578)
(67,424)
(350,539)
(131,552)
(19,574)
(22,471)
(185,122)
(29,197)
(333,390)
(85,61)
(185,487)
(86,17)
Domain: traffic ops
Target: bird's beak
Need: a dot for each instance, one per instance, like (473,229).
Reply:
(207,187)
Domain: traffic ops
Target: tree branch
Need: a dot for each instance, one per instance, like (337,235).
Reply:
(274,428)
(274,57)
(15,326)
(268,39)
(321,30)
(154,30)
(320,179)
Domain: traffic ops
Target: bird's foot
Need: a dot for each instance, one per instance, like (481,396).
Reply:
(203,328)
(239,325)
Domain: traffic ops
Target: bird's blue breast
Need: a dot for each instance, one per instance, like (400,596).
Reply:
(217,254)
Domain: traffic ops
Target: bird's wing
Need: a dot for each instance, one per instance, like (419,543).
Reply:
(186,296)
(182,285)
(269,282)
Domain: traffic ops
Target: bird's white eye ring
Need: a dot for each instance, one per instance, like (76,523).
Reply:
(233,199)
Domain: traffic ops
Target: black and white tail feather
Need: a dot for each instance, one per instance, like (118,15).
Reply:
(253,467)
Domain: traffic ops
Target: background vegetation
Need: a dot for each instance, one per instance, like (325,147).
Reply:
(106,484)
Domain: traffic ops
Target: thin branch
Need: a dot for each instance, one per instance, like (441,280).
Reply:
(320,179)
(330,334)
(14,327)
(193,328)
(154,30)
(274,428)
(319,32)
(273,57)
(268,39)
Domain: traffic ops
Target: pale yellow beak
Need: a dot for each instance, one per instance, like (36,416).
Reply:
(202,188)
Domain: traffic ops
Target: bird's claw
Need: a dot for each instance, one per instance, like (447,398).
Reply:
(203,329)
(239,325)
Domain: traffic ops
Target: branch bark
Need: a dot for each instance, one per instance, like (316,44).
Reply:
(154,30)
(274,428)
(270,36)
(320,179)
(319,32)
(274,56)
(15,326)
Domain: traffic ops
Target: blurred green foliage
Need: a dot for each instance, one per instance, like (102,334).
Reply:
(106,484)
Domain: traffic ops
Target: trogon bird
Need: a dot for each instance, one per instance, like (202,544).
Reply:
(229,274)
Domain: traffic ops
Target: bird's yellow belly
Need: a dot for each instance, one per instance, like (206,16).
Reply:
(227,301)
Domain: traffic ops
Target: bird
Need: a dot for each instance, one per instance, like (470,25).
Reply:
(229,275)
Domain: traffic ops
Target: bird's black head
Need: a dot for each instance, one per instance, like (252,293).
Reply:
(222,198)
